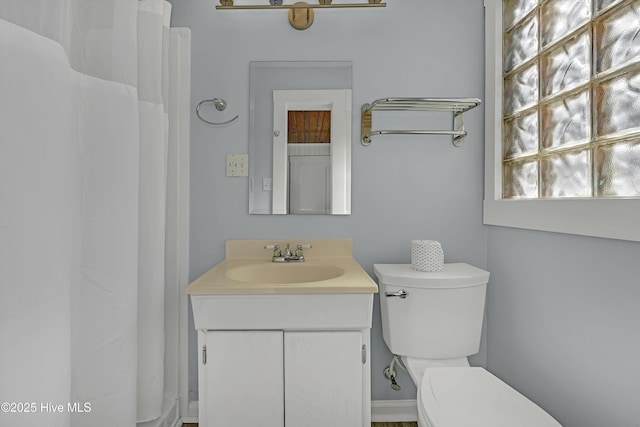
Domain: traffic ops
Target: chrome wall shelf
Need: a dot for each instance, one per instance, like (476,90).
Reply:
(457,106)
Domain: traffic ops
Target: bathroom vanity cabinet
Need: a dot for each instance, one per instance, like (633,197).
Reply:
(283,378)
(284,360)
(284,344)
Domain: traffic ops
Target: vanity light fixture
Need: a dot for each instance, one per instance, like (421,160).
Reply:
(301,13)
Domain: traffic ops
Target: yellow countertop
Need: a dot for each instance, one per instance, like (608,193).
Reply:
(336,253)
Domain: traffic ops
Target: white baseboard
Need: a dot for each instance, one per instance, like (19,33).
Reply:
(381,411)
(394,410)
(192,416)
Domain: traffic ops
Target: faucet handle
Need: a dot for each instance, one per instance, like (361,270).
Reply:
(276,249)
(299,249)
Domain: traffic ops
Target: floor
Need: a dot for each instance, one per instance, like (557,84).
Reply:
(391,424)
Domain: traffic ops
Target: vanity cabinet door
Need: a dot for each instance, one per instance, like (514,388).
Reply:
(323,379)
(244,377)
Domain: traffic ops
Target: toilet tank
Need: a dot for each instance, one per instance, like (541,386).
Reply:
(441,315)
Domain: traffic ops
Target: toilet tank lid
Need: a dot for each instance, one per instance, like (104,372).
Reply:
(454,275)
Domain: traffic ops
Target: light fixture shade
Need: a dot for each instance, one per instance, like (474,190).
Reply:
(304,19)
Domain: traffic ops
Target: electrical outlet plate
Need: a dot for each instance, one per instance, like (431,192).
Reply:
(237,165)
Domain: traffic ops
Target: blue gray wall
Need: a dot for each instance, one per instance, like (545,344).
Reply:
(403,188)
(563,311)
(564,323)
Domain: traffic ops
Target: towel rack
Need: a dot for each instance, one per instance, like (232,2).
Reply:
(220,104)
(457,106)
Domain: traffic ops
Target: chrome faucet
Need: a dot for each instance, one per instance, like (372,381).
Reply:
(286,255)
(287,251)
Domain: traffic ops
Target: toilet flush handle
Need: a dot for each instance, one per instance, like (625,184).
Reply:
(401,293)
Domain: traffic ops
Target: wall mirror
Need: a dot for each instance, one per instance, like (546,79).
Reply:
(300,138)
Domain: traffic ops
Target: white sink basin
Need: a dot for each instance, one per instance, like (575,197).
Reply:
(284,273)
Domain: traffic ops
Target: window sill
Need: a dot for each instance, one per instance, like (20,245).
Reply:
(608,218)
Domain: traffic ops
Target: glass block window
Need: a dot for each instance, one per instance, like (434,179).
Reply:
(571,99)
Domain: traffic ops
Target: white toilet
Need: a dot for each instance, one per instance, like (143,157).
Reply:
(434,321)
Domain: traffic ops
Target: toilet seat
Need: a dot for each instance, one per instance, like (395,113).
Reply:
(464,397)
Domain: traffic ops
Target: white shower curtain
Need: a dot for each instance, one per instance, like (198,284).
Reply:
(83,177)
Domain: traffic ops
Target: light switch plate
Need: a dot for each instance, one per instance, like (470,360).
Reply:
(237,165)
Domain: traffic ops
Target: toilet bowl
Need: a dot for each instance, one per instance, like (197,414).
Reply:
(465,397)
(434,321)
